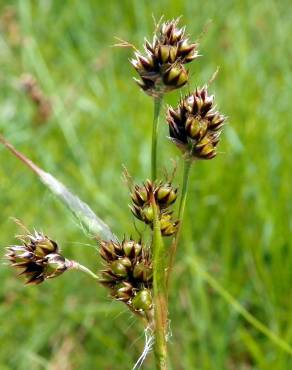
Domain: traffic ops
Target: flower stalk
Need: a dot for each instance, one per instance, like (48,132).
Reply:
(184,192)
(157,107)
(74,265)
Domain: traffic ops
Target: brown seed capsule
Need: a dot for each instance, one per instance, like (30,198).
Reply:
(110,250)
(42,104)
(140,195)
(124,292)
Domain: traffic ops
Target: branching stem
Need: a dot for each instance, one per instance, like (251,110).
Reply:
(181,211)
(73,265)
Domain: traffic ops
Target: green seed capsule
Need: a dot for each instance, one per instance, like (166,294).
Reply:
(164,53)
(168,227)
(142,272)
(183,78)
(44,247)
(132,248)
(56,265)
(148,214)
(196,128)
(120,267)
(173,74)
(207,151)
(166,195)
(142,300)
(172,54)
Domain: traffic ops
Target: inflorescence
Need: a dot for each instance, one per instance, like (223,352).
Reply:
(194,126)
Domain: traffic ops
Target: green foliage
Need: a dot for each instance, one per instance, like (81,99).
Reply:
(238,213)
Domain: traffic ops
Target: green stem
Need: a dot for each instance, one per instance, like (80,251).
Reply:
(159,292)
(181,211)
(157,107)
(184,190)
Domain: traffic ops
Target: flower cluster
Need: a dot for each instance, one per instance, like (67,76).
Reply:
(194,126)
(38,258)
(162,69)
(128,273)
(165,195)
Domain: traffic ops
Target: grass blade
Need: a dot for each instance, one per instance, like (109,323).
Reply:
(238,307)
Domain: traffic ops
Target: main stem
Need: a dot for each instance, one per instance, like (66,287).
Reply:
(159,292)
(181,211)
(157,107)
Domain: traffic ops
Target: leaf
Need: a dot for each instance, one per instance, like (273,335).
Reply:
(83,213)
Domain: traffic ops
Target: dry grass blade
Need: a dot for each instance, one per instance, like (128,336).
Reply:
(83,213)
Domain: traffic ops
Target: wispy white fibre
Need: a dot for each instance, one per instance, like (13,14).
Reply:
(149,341)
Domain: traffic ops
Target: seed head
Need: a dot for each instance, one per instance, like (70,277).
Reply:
(38,258)
(162,69)
(195,126)
(165,195)
(128,270)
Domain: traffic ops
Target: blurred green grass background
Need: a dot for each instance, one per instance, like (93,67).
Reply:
(238,218)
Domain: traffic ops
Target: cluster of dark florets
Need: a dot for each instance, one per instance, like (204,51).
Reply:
(38,258)
(164,195)
(195,125)
(128,273)
(161,68)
